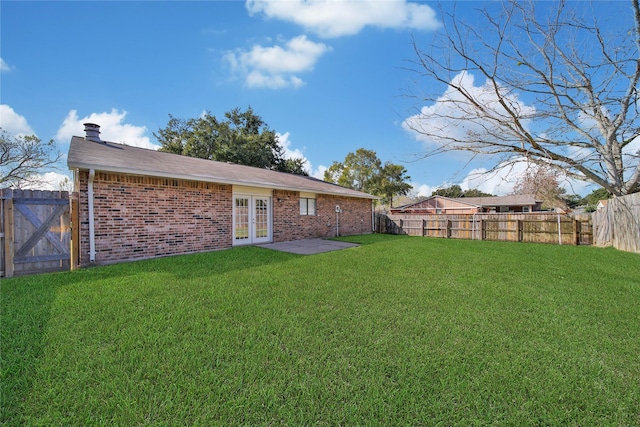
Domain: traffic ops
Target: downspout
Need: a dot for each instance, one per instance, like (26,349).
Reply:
(92,241)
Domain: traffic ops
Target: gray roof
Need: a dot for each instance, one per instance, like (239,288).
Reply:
(490,201)
(112,157)
(514,200)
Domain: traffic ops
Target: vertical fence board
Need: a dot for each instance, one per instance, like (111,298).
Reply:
(626,225)
(617,224)
(8,238)
(523,227)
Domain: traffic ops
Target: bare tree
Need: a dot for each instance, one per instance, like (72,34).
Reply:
(22,159)
(560,88)
(542,181)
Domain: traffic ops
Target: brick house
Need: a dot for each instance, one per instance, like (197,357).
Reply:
(471,205)
(134,203)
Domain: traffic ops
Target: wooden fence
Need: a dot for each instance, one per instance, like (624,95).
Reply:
(35,231)
(618,223)
(526,227)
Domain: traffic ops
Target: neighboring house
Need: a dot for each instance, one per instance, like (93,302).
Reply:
(602,204)
(135,203)
(471,205)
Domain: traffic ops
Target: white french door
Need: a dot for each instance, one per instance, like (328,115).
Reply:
(251,219)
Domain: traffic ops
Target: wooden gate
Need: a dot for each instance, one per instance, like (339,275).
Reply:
(35,231)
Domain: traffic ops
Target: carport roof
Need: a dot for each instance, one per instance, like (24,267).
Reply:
(112,157)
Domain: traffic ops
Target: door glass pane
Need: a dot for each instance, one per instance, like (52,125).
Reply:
(262,218)
(241,231)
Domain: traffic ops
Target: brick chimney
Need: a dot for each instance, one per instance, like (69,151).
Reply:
(92,132)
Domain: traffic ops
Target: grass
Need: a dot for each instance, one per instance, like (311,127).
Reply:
(401,331)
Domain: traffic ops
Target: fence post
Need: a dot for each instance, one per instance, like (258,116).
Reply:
(576,232)
(401,231)
(424,225)
(8,237)
(520,230)
(449,223)
(483,228)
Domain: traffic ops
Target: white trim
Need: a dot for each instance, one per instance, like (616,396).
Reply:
(252,191)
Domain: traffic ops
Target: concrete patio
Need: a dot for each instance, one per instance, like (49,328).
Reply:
(309,246)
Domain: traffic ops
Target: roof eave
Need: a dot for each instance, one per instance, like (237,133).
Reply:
(102,168)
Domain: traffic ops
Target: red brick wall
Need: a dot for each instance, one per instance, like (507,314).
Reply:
(288,224)
(143,217)
(139,217)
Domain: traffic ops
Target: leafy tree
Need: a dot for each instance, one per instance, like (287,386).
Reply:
(474,192)
(557,88)
(573,200)
(364,171)
(296,165)
(22,159)
(392,182)
(591,200)
(455,191)
(358,171)
(242,138)
(595,196)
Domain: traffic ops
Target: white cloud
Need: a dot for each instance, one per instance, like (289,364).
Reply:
(288,152)
(423,190)
(112,128)
(451,118)
(276,67)
(13,122)
(50,181)
(502,179)
(336,18)
(318,172)
(488,185)
(499,182)
(4,67)
(450,123)
(296,153)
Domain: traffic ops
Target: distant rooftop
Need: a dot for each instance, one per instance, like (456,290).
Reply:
(485,202)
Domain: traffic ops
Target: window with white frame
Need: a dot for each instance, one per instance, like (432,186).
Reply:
(307,204)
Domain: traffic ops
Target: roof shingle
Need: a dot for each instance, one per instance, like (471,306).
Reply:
(121,158)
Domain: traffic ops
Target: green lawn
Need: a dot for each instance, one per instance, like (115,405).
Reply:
(398,331)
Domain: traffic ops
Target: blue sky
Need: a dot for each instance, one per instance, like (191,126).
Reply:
(328,77)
